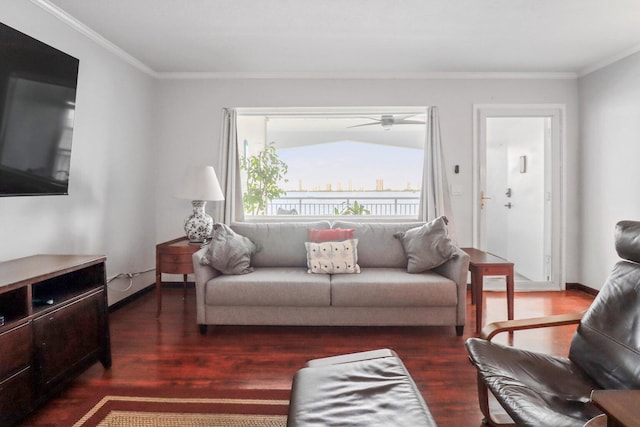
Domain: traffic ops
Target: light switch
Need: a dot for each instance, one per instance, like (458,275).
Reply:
(456,190)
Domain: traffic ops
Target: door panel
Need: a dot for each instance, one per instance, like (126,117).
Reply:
(516,182)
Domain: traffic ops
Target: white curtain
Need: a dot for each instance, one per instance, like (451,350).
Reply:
(230,170)
(435,199)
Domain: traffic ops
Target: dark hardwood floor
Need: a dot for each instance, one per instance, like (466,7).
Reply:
(166,351)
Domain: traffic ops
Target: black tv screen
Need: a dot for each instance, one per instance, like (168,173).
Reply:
(37,105)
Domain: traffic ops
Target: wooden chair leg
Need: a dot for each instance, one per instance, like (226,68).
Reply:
(483,400)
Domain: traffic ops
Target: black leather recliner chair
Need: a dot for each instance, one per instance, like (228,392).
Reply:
(542,390)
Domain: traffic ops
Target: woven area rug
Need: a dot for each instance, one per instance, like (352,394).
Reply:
(153,408)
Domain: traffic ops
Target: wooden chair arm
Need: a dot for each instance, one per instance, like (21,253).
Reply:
(492,329)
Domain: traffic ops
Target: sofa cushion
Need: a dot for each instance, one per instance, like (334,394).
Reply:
(392,287)
(427,246)
(278,286)
(278,244)
(333,257)
(376,245)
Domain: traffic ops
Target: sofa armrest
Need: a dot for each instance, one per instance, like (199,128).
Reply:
(492,329)
(202,274)
(457,269)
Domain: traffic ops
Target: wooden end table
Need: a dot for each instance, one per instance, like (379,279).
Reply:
(173,257)
(482,264)
(621,406)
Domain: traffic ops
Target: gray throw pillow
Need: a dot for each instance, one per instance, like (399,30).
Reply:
(427,246)
(229,252)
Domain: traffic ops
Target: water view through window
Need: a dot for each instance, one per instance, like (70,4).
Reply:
(332,165)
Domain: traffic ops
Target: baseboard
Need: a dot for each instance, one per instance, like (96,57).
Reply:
(582,288)
(499,284)
(524,287)
(131,298)
(145,291)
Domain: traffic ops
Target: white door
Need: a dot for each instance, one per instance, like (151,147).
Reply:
(515,212)
(516,185)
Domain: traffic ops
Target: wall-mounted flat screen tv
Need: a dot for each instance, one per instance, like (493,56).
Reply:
(37,104)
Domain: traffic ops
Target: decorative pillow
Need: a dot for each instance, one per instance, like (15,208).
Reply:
(229,252)
(330,234)
(427,246)
(333,257)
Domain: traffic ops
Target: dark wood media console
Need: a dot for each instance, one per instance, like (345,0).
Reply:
(55,326)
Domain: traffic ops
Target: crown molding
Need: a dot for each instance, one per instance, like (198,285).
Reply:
(367,75)
(92,35)
(608,61)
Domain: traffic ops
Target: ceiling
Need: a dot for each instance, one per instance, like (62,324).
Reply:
(388,38)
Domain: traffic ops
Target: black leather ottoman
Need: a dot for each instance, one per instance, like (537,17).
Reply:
(371,388)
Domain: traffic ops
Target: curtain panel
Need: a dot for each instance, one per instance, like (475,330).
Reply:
(232,209)
(435,197)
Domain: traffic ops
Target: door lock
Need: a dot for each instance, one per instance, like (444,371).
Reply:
(508,193)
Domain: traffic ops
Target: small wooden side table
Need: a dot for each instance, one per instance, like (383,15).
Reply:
(482,264)
(173,257)
(621,406)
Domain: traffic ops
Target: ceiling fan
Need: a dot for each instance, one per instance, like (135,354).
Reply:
(387,121)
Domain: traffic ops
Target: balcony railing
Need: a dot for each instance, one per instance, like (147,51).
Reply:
(327,205)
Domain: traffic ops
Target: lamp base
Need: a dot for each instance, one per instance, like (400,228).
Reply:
(199,225)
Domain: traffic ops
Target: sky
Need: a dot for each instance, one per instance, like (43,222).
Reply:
(352,165)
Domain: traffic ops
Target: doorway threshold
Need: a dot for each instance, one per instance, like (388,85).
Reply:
(498,284)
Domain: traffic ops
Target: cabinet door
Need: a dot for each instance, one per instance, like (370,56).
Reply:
(68,339)
(16,396)
(16,386)
(16,350)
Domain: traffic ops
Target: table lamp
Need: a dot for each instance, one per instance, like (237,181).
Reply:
(200,185)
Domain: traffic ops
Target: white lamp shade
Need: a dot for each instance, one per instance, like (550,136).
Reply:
(200,183)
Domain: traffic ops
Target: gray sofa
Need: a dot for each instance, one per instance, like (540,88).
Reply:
(280,291)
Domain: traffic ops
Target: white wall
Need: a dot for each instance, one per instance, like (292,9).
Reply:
(610,151)
(110,206)
(190,111)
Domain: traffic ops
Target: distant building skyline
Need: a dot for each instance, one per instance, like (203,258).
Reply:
(342,166)
(339,187)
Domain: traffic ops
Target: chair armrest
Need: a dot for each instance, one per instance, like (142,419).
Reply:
(492,329)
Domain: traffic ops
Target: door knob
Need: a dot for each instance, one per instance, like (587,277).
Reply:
(508,205)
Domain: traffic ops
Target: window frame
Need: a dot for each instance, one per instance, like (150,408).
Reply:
(322,112)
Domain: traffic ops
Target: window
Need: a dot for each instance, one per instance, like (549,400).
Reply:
(324,163)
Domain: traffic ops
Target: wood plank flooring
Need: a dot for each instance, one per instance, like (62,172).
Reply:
(166,351)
